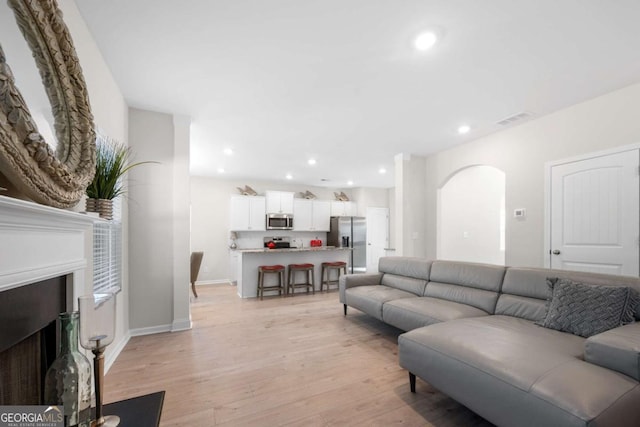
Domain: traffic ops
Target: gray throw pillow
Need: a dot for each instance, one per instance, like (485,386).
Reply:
(585,310)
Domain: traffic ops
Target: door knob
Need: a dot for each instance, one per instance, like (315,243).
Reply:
(556,252)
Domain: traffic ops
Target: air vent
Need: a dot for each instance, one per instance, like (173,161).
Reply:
(518,117)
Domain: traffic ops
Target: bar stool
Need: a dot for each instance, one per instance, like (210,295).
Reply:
(336,266)
(271,269)
(307,269)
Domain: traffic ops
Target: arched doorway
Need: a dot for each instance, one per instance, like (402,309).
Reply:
(471,216)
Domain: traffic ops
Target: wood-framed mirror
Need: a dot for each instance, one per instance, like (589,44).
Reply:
(29,166)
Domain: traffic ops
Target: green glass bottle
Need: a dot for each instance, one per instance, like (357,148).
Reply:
(68,380)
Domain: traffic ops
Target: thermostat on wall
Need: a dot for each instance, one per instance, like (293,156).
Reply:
(519,213)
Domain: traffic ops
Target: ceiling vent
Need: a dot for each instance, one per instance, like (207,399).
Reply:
(518,117)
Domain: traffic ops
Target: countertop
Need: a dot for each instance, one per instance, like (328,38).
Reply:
(307,249)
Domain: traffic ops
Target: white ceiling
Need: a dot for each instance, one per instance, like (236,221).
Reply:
(280,81)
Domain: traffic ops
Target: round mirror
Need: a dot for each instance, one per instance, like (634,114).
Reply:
(47,138)
(26,75)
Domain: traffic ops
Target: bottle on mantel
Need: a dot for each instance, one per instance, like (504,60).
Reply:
(68,380)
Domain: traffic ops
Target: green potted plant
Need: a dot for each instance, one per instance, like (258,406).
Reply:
(113,160)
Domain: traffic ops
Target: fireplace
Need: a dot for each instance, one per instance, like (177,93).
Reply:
(29,340)
(44,258)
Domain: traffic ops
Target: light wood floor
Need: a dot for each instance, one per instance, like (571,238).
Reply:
(291,361)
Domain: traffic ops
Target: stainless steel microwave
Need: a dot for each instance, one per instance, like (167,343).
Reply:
(279,222)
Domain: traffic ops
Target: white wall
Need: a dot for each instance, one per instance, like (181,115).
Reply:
(181,223)
(210,218)
(409,224)
(158,217)
(470,216)
(111,115)
(521,152)
(370,198)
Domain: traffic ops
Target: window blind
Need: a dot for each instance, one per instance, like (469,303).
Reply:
(107,257)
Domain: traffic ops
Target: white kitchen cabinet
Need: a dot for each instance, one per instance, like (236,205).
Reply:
(343,208)
(321,215)
(248,213)
(302,214)
(279,202)
(311,215)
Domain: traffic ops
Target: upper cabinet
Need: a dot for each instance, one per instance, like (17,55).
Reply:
(311,215)
(343,208)
(248,213)
(279,202)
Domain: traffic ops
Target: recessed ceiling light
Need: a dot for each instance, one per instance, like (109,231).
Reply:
(289,176)
(220,170)
(228,151)
(349,182)
(382,170)
(425,41)
(464,129)
(312,161)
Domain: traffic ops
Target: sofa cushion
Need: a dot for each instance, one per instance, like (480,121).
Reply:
(478,298)
(525,290)
(409,284)
(418,268)
(512,349)
(467,283)
(412,313)
(516,373)
(617,349)
(480,276)
(369,299)
(585,310)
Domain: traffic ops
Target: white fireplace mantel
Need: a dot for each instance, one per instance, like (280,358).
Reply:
(40,242)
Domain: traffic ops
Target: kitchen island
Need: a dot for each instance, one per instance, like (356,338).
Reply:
(250,259)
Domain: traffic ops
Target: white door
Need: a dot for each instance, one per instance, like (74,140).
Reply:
(595,214)
(377,236)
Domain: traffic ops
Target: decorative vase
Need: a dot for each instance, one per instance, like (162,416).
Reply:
(68,380)
(102,206)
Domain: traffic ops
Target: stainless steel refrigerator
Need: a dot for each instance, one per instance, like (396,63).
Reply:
(350,232)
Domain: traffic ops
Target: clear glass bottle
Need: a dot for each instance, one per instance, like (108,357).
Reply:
(68,380)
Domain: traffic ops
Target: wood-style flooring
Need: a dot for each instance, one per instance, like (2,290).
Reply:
(283,361)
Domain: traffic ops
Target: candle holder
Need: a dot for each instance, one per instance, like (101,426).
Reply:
(233,236)
(97,330)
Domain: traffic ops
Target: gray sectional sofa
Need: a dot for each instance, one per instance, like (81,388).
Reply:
(473,334)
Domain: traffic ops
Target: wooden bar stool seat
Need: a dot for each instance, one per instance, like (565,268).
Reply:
(308,269)
(271,269)
(328,267)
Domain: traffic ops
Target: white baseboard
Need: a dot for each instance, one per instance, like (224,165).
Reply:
(213,282)
(181,325)
(137,332)
(116,349)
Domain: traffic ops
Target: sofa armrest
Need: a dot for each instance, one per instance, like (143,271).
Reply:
(352,280)
(617,349)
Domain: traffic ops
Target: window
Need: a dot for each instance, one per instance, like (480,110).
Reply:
(107,257)
(107,252)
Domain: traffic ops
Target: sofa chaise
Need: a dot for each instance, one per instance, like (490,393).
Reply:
(504,341)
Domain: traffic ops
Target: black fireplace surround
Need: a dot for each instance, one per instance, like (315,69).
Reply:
(29,337)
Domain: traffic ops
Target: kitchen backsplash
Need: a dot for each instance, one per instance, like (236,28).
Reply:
(254,239)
